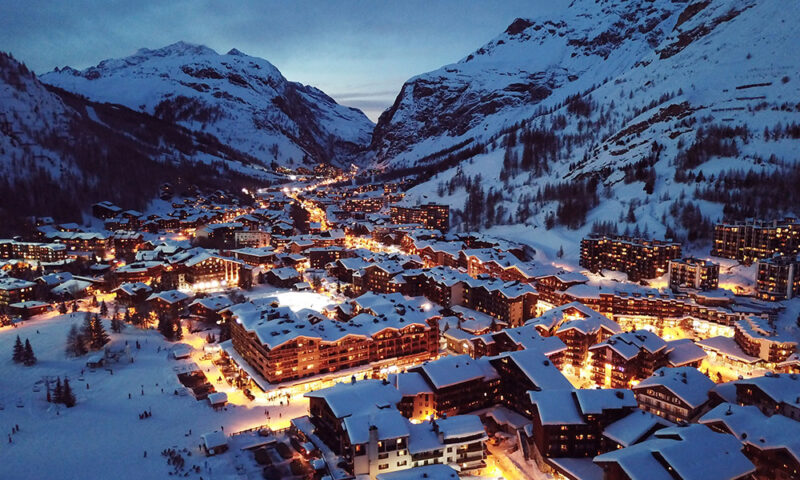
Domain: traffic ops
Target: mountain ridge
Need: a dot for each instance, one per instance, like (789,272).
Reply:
(244,101)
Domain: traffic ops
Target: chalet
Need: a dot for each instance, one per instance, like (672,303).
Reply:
(130,294)
(14,290)
(169,302)
(284,277)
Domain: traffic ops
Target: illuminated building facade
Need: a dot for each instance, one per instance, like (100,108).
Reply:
(639,258)
(430,215)
(693,273)
(752,240)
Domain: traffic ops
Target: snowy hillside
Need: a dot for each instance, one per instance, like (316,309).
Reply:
(655,117)
(60,152)
(242,100)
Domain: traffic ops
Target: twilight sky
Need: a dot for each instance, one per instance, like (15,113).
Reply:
(359,52)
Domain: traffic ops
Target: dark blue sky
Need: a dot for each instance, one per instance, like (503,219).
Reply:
(359,52)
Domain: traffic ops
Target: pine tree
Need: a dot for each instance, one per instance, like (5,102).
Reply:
(165,327)
(631,214)
(99,335)
(103,309)
(19,351)
(116,324)
(68,397)
(62,308)
(29,358)
(58,392)
(178,332)
(94,300)
(74,307)
(86,329)
(75,347)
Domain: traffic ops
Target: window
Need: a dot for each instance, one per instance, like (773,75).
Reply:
(383,466)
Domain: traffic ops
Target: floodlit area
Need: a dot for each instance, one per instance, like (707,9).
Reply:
(103,434)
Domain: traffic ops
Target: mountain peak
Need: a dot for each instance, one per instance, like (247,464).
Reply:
(236,53)
(177,49)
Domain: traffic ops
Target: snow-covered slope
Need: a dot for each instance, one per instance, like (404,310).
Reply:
(60,152)
(244,101)
(661,108)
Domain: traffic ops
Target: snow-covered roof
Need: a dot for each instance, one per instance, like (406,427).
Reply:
(132,289)
(217,398)
(694,452)
(595,401)
(634,427)
(276,325)
(455,369)
(409,383)
(428,472)
(686,383)
(629,344)
(214,439)
(285,273)
(351,398)
(538,368)
(215,303)
(556,407)
(169,296)
(726,346)
(388,422)
(582,468)
(754,428)
(684,351)
(780,387)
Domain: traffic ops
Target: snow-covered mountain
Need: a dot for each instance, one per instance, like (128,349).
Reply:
(242,100)
(60,152)
(661,115)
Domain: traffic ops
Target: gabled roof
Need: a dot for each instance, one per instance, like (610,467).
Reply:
(686,383)
(635,427)
(754,428)
(356,398)
(694,452)
(629,344)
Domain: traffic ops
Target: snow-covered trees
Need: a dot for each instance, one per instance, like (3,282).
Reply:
(76,346)
(62,393)
(19,351)
(91,336)
(23,353)
(170,328)
(28,358)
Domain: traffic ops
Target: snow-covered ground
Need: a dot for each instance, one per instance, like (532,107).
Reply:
(102,436)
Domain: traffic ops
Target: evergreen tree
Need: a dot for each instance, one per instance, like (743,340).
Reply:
(631,214)
(99,335)
(58,392)
(68,397)
(178,329)
(116,324)
(103,309)
(19,351)
(28,358)
(74,307)
(94,300)
(75,345)
(86,329)
(62,308)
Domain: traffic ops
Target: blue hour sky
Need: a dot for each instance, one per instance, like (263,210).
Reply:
(359,52)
